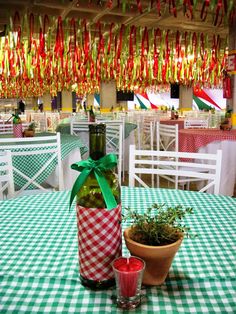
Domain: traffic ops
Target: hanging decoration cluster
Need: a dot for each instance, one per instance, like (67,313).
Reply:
(37,57)
(219,9)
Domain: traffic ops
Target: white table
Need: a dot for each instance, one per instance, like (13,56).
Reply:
(69,175)
(228,166)
(208,141)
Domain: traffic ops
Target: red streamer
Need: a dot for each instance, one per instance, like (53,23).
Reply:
(219,9)
(139,6)
(120,41)
(31,22)
(188,10)
(110,39)
(205,6)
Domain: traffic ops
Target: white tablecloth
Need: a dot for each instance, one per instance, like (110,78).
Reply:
(69,175)
(228,167)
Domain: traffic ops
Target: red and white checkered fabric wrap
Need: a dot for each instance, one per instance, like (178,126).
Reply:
(99,239)
(17,130)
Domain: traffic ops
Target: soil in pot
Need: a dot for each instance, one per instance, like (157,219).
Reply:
(158,258)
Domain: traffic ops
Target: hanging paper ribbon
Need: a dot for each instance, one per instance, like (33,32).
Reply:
(119,48)
(173,10)
(188,10)
(218,9)
(205,6)
(139,6)
(98,167)
(110,38)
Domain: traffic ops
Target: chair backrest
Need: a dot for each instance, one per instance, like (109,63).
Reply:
(181,165)
(167,137)
(6,175)
(78,127)
(115,143)
(41,121)
(33,160)
(114,137)
(8,127)
(146,131)
(196,123)
(53,119)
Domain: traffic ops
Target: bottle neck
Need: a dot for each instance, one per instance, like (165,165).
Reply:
(97,145)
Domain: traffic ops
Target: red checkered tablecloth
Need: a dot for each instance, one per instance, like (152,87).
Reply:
(180,122)
(190,140)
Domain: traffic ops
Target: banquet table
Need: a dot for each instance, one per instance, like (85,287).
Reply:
(39,269)
(209,141)
(179,121)
(72,148)
(64,128)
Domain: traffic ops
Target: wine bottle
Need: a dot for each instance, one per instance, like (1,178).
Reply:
(99,228)
(91,115)
(172,113)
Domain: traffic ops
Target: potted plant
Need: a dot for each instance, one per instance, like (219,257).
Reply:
(226,124)
(30,131)
(17,125)
(155,236)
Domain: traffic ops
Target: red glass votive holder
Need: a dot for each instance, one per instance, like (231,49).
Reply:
(128,275)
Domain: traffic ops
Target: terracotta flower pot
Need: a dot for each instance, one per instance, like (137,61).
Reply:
(158,259)
(29,133)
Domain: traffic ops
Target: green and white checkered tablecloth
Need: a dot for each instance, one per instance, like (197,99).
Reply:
(64,128)
(31,164)
(39,259)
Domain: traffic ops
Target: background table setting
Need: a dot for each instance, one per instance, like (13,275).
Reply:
(72,148)
(209,141)
(39,269)
(179,121)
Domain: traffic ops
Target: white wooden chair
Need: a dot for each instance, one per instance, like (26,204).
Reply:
(117,138)
(8,127)
(114,144)
(52,120)
(196,123)
(6,175)
(185,166)
(167,137)
(41,121)
(81,129)
(146,130)
(27,154)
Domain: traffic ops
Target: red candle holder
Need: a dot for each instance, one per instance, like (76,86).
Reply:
(128,275)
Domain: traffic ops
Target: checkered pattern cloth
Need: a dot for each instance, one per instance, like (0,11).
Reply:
(169,121)
(39,270)
(190,140)
(31,164)
(65,128)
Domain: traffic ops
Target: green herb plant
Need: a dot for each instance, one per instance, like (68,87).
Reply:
(32,126)
(158,225)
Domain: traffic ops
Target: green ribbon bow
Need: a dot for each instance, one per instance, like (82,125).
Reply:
(98,167)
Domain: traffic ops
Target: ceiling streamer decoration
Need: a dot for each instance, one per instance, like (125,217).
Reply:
(41,54)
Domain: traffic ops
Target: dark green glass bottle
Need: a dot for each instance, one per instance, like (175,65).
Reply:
(98,227)
(91,115)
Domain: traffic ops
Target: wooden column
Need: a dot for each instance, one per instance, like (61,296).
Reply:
(185,97)
(108,95)
(90,100)
(46,98)
(67,101)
